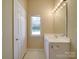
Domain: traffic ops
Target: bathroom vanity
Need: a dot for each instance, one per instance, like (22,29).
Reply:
(56,46)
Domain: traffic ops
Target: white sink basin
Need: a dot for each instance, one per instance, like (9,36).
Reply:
(56,38)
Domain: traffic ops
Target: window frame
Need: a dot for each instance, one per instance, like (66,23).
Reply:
(31,26)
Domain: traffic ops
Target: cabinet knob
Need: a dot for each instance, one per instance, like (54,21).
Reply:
(52,46)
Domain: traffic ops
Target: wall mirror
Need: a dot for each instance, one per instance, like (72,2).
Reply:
(61,19)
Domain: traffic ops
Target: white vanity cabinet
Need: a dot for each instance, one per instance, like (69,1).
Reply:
(56,48)
(59,50)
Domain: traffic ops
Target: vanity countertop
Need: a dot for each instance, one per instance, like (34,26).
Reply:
(53,38)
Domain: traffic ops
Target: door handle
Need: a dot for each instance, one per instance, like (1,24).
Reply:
(52,46)
(16,39)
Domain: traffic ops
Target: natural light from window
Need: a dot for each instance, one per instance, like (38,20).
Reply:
(35,25)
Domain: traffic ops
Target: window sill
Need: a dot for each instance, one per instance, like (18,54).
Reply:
(36,35)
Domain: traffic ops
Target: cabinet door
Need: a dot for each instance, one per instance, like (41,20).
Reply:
(46,46)
(59,50)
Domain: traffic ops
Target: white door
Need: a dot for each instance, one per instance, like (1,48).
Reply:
(22,30)
(17,31)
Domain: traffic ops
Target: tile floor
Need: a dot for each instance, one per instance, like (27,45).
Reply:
(35,54)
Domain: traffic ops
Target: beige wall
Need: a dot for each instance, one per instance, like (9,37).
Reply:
(43,9)
(7,52)
(23,3)
(72,23)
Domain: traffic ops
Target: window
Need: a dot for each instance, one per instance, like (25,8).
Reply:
(35,25)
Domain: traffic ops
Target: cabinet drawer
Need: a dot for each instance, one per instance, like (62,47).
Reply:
(60,46)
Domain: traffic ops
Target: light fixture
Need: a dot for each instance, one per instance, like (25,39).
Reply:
(62,5)
(62,2)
